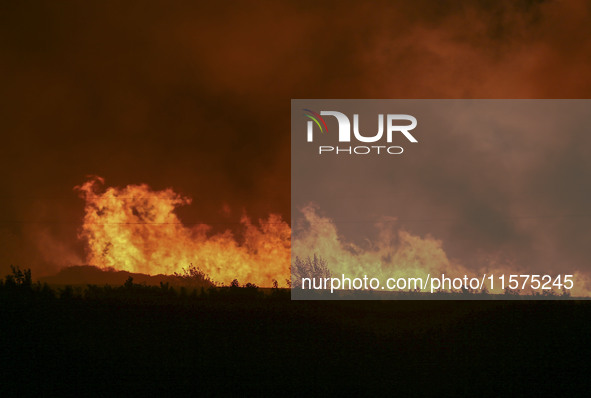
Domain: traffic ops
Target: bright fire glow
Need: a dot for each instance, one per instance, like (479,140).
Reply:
(396,253)
(136,229)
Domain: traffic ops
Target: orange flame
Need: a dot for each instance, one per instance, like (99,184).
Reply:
(396,253)
(135,229)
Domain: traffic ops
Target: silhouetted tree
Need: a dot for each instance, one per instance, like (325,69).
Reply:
(67,293)
(195,277)
(19,278)
(128,283)
(315,267)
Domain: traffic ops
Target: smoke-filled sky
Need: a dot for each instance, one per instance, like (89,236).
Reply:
(197,97)
(499,185)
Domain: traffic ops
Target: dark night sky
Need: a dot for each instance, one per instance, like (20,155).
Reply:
(197,97)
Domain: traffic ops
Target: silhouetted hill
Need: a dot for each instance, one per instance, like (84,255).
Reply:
(234,341)
(91,275)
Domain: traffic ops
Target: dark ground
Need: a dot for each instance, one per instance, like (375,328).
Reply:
(240,341)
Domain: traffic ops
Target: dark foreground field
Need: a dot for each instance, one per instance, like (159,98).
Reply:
(241,341)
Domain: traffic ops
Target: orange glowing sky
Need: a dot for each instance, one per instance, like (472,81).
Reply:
(195,98)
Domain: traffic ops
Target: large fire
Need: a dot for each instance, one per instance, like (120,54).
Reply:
(136,229)
(396,253)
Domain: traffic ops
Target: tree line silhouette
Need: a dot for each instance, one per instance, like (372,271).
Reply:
(195,285)
(237,337)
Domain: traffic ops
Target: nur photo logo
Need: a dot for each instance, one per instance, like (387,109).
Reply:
(389,125)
